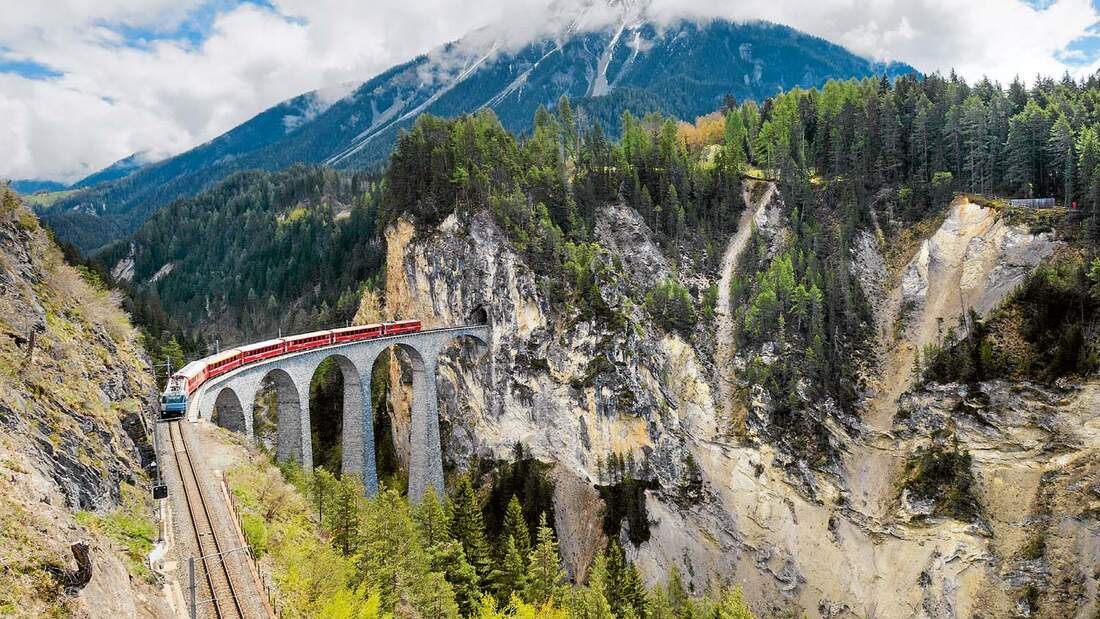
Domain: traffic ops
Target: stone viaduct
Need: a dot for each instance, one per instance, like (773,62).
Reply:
(234,394)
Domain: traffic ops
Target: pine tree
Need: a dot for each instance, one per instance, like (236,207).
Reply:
(343,517)
(431,519)
(447,558)
(1060,154)
(1088,157)
(515,526)
(322,485)
(393,559)
(590,601)
(468,529)
(544,573)
(510,575)
(172,353)
(624,589)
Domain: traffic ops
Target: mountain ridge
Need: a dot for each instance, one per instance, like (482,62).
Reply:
(684,69)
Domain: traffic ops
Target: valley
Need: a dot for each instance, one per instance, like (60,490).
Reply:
(637,318)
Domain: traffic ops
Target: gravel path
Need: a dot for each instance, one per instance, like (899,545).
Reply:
(723,311)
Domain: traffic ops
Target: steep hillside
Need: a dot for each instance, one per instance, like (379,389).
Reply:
(779,346)
(629,63)
(73,451)
(773,510)
(260,252)
(807,465)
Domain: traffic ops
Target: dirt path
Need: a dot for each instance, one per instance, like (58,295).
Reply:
(723,312)
(948,275)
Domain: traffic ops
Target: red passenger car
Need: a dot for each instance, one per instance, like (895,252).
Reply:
(353,334)
(308,340)
(223,362)
(401,326)
(262,350)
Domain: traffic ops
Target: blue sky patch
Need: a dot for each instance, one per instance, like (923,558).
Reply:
(26,68)
(191,31)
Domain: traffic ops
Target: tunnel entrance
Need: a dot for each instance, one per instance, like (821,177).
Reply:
(480,316)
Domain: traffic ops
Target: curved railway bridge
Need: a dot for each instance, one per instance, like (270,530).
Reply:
(234,394)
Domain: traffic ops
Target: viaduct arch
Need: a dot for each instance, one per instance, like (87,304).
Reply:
(234,394)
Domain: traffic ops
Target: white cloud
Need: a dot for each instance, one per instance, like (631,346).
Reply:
(165,96)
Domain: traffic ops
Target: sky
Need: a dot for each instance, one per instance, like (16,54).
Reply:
(84,83)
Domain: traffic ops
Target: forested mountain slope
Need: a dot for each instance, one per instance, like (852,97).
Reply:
(260,253)
(683,70)
(73,382)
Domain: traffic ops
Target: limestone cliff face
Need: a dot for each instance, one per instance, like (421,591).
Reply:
(72,382)
(574,390)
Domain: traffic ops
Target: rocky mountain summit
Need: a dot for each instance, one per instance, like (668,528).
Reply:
(845,536)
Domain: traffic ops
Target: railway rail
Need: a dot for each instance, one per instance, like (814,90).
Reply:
(219,578)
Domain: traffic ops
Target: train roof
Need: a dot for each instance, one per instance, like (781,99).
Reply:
(191,369)
(223,355)
(302,336)
(356,328)
(259,345)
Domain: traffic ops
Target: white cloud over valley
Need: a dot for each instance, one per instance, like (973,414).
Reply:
(85,83)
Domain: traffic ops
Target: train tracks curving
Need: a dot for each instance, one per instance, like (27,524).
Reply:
(218,577)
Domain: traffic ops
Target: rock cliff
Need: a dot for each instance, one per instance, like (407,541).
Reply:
(834,541)
(73,381)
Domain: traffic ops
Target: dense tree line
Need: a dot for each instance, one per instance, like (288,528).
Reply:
(383,556)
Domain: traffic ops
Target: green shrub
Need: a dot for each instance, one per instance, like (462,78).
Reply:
(130,525)
(671,306)
(255,534)
(940,472)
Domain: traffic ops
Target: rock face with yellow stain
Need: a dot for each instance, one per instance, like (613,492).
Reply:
(575,388)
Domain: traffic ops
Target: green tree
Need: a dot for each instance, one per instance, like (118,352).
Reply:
(733,606)
(672,306)
(1060,149)
(322,488)
(172,353)
(1088,157)
(515,527)
(624,589)
(467,527)
(343,516)
(544,576)
(510,575)
(393,559)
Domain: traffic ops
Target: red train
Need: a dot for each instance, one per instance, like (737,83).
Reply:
(184,382)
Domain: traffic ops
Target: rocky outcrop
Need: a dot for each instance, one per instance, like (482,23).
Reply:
(574,389)
(73,381)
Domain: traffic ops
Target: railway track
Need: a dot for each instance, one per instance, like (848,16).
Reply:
(219,579)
